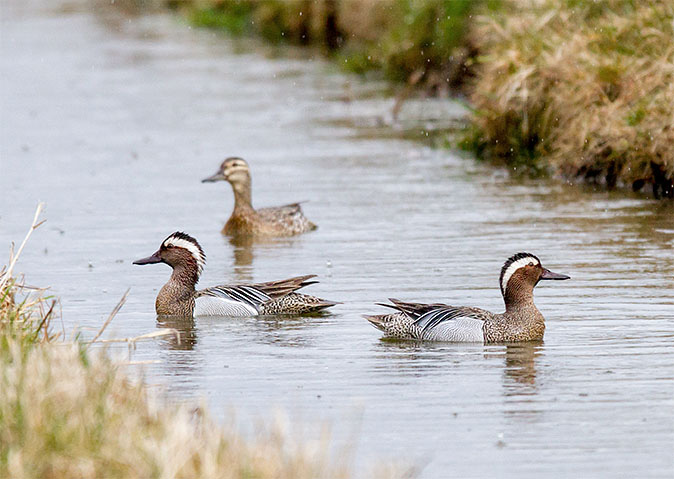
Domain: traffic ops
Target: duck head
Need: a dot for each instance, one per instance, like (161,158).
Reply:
(234,170)
(181,252)
(520,275)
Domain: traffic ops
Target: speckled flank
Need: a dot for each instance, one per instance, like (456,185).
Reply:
(526,324)
(278,221)
(287,220)
(295,303)
(395,325)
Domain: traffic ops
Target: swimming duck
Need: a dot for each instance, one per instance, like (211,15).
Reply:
(521,321)
(179,297)
(285,220)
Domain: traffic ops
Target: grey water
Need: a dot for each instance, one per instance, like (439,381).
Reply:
(113,119)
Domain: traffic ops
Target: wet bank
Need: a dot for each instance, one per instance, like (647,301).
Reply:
(113,120)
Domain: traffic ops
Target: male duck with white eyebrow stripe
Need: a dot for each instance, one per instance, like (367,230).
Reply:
(521,321)
(178,297)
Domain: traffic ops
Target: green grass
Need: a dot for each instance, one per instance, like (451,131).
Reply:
(24,321)
(233,17)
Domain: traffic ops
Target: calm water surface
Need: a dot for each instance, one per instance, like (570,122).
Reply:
(113,120)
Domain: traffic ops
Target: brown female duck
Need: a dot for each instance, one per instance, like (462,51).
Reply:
(521,321)
(245,220)
(178,297)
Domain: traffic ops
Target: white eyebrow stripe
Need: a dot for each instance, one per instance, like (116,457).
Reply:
(520,263)
(189,246)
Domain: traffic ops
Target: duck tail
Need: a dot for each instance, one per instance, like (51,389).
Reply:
(320,305)
(378,321)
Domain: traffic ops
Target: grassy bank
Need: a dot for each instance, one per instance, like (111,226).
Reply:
(578,89)
(67,411)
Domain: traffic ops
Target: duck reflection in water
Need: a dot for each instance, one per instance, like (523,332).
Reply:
(520,367)
(521,384)
(242,248)
(288,331)
(187,333)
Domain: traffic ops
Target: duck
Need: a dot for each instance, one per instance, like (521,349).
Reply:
(278,221)
(521,321)
(179,296)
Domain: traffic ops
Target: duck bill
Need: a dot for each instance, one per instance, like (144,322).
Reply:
(547,274)
(216,177)
(155,258)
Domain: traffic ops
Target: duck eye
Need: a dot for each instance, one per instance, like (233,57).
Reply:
(531,264)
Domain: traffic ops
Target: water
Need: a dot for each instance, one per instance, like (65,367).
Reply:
(113,120)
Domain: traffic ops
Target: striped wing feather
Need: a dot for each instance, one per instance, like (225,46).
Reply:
(242,293)
(256,295)
(436,316)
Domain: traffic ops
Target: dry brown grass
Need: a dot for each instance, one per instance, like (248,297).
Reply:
(580,88)
(66,414)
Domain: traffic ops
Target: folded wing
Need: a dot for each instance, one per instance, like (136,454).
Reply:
(272,297)
(452,324)
(442,322)
(290,217)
